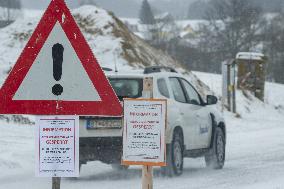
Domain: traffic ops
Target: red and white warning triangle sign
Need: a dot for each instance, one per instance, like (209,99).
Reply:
(57,73)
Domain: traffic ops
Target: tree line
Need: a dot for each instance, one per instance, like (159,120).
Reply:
(229,27)
(9,9)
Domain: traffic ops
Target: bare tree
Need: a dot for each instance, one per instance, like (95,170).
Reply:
(273,47)
(166,29)
(233,26)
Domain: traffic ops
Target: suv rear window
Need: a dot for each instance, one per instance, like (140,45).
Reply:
(127,88)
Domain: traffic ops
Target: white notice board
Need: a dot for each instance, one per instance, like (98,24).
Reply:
(57,146)
(144,132)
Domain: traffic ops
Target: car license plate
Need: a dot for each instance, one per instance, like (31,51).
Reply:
(103,123)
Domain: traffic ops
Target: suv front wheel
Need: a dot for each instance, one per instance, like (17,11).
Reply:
(174,157)
(216,156)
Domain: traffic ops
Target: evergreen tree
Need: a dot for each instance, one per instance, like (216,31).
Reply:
(146,14)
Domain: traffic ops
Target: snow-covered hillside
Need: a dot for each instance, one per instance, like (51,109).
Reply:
(107,36)
(112,43)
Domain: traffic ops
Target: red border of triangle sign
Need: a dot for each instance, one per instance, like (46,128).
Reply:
(109,104)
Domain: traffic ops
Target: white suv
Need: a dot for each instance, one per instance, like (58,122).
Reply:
(195,128)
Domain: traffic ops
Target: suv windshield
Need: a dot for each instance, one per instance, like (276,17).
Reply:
(127,88)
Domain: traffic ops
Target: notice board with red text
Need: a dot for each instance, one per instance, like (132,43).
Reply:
(144,132)
(57,146)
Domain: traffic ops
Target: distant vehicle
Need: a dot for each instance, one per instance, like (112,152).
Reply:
(195,128)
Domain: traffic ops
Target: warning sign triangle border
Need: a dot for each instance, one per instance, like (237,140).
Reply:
(109,104)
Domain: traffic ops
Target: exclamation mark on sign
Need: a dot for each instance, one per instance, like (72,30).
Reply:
(57,56)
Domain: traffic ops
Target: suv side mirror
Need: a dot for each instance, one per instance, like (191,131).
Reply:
(211,100)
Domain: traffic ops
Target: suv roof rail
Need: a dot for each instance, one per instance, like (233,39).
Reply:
(106,69)
(155,69)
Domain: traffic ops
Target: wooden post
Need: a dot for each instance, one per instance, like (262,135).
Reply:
(56,182)
(148,87)
(147,177)
(147,171)
(229,85)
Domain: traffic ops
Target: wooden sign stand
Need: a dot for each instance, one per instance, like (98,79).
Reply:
(144,131)
(56,182)
(147,177)
(147,171)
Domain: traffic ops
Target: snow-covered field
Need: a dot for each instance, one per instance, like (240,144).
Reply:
(255,142)
(255,154)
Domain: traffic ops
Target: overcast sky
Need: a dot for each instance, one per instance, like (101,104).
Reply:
(122,8)
(41,4)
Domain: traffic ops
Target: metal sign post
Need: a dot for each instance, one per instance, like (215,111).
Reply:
(229,86)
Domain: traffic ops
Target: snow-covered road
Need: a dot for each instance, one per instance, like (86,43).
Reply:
(255,159)
(255,154)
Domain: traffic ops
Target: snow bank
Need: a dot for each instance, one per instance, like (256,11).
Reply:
(16,147)
(247,105)
(249,56)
